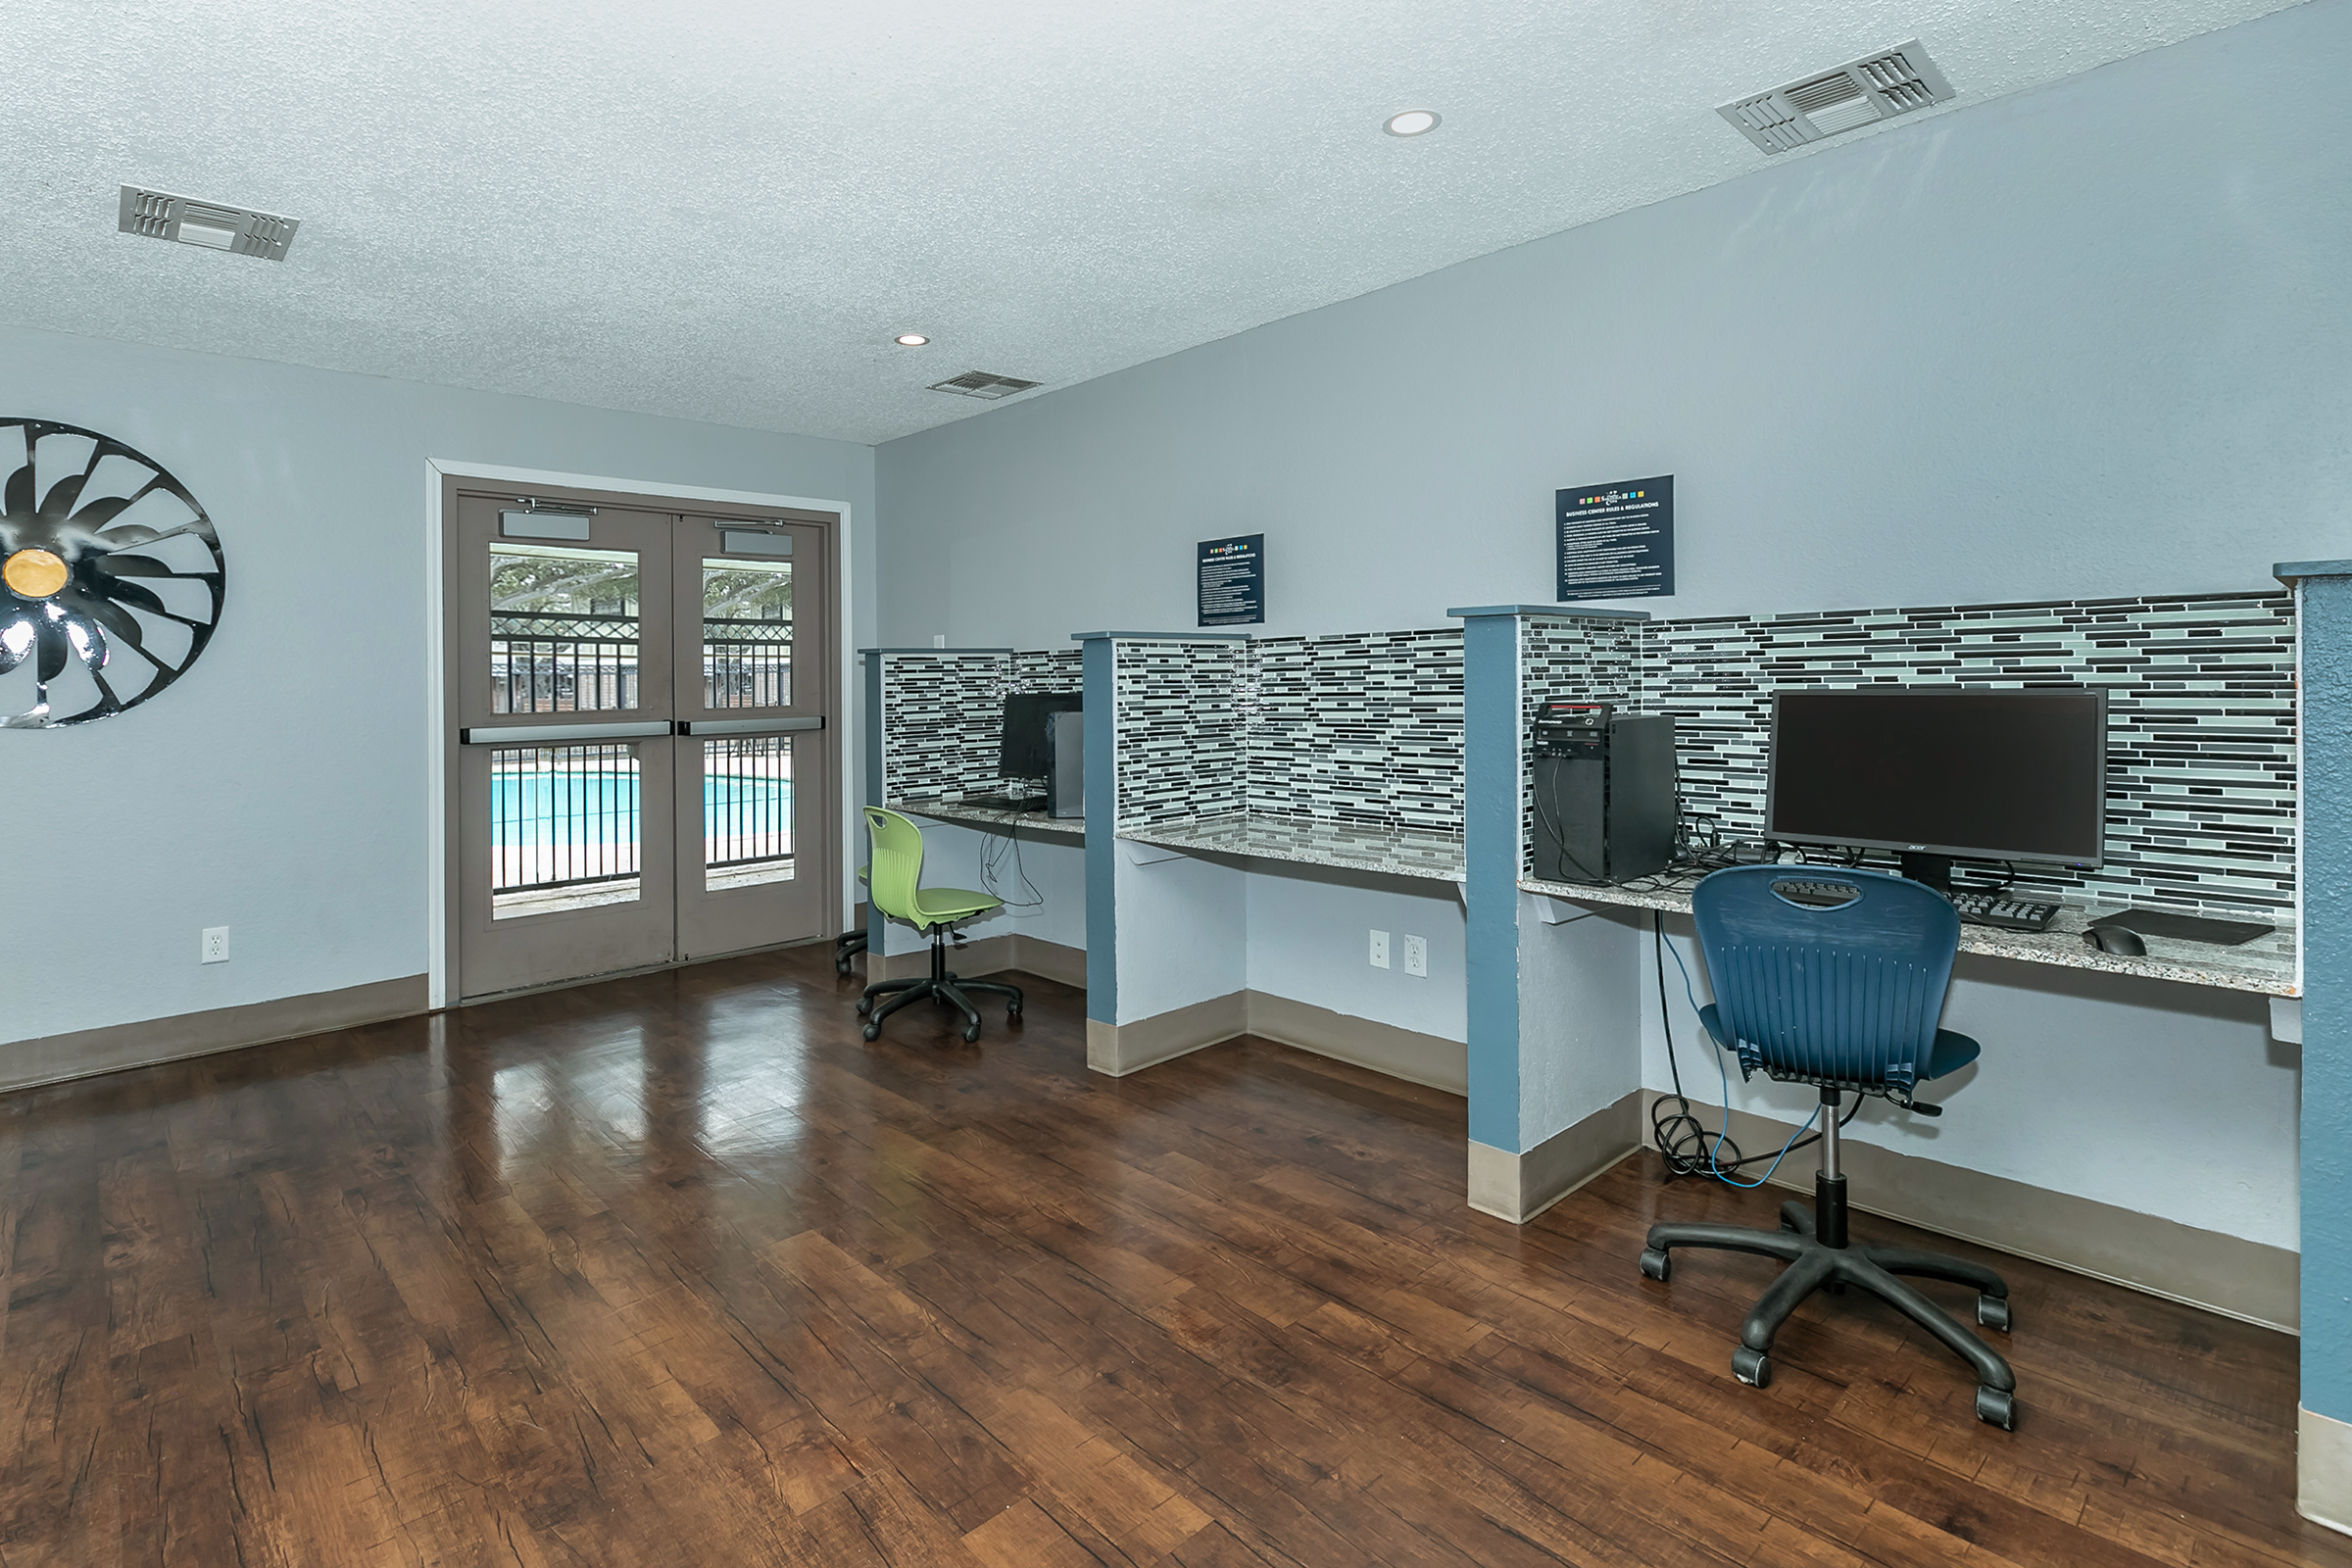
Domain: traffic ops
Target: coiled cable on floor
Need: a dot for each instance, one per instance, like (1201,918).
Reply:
(1684,1143)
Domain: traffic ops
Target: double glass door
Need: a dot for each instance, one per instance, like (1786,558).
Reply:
(643,770)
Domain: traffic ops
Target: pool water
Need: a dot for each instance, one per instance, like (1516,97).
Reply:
(529,809)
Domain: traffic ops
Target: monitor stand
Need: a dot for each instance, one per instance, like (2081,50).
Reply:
(1929,870)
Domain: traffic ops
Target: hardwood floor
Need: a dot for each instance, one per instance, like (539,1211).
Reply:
(676,1270)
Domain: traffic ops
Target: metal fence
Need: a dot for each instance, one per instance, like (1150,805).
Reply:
(579,665)
(747,663)
(567,817)
(562,663)
(562,817)
(747,800)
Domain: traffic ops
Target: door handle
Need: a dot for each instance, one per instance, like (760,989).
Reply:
(749,726)
(562,734)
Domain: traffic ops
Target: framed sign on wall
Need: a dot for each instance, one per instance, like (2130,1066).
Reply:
(1233,580)
(1616,540)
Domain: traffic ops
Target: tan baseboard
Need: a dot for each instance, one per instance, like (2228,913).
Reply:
(2323,1470)
(989,956)
(1405,1054)
(1121,1048)
(1124,1047)
(88,1052)
(2220,1273)
(1519,1187)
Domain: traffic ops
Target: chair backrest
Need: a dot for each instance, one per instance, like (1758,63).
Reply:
(896,868)
(1849,994)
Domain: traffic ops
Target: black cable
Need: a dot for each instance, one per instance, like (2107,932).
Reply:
(1559,838)
(992,867)
(1690,1150)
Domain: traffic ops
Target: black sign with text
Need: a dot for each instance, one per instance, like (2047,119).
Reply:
(1233,581)
(1616,541)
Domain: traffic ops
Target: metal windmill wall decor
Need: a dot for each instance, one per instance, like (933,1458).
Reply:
(109,576)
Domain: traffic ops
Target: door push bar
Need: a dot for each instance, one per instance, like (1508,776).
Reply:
(652,729)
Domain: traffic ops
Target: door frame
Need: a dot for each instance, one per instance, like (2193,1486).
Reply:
(443,477)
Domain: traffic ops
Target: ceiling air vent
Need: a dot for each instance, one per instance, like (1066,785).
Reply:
(982,385)
(1879,87)
(239,231)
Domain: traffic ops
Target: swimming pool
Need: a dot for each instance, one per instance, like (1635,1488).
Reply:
(530,810)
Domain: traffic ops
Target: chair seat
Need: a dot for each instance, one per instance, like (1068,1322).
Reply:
(940,906)
(1948,1055)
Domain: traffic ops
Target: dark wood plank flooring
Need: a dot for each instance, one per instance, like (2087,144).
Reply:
(676,1271)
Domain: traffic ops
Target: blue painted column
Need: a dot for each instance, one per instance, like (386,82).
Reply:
(1102,812)
(2324,1453)
(1491,851)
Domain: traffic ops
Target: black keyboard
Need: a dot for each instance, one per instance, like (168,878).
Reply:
(2003,912)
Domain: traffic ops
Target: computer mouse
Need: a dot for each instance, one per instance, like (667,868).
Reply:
(2121,941)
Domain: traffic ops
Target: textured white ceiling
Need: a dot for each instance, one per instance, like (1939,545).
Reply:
(725,210)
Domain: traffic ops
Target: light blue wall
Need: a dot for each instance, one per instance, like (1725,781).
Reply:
(2090,340)
(2094,339)
(279,789)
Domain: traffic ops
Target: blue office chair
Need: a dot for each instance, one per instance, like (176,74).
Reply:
(1836,978)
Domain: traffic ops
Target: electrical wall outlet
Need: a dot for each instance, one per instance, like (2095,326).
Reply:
(938,639)
(1416,955)
(1380,950)
(214,948)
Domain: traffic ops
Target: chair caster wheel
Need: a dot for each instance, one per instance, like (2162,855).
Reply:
(1997,1407)
(1655,1264)
(971,1032)
(865,1004)
(1751,1367)
(872,1031)
(1012,1010)
(1992,1313)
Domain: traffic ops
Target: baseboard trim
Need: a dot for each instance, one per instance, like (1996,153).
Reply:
(1519,1187)
(2226,1274)
(1120,1048)
(2323,1470)
(1054,960)
(1384,1048)
(89,1052)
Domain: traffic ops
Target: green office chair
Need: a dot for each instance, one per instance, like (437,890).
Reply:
(894,886)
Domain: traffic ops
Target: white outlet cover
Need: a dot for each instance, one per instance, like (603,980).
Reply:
(214,948)
(1380,950)
(1416,955)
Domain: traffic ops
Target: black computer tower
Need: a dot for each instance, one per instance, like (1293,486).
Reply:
(1604,799)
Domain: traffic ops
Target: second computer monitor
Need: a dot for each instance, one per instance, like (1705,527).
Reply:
(1937,773)
(1027,748)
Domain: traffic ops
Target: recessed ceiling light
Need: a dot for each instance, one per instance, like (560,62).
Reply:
(1412,123)
(911,340)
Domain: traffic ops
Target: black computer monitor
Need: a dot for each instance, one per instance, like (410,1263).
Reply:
(1938,773)
(1026,752)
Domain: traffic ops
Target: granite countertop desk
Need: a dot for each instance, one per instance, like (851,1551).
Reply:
(991,816)
(1356,846)
(2266,965)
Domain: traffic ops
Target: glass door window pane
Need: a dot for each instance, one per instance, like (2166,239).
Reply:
(563,629)
(563,828)
(747,811)
(747,633)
